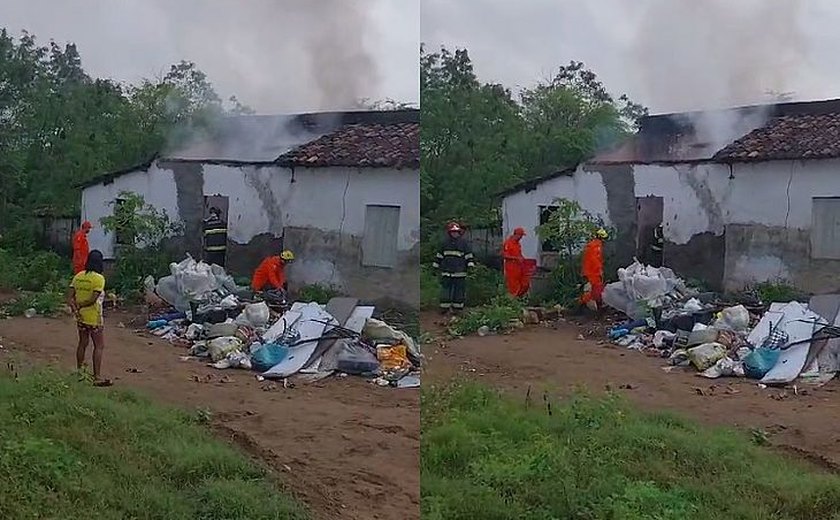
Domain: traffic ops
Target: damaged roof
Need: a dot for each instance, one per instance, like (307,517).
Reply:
(263,139)
(798,130)
(804,136)
(371,145)
(380,138)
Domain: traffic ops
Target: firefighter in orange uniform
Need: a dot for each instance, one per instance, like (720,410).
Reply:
(81,247)
(271,273)
(593,270)
(516,279)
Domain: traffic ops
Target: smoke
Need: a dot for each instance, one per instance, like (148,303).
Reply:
(720,53)
(703,56)
(312,53)
(274,55)
(341,66)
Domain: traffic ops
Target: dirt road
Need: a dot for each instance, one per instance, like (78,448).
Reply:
(557,361)
(348,449)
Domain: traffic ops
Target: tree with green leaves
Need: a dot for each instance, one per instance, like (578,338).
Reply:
(478,139)
(60,127)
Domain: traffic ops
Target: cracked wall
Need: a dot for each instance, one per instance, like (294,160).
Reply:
(318,213)
(729,227)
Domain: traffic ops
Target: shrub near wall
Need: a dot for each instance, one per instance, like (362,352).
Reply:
(483,285)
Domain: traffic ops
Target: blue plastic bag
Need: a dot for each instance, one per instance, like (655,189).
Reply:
(265,357)
(758,362)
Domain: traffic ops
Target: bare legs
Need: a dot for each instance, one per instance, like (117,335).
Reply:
(98,338)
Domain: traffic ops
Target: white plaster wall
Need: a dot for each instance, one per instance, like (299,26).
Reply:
(157,186)
(521,209)
(254,194)
(264,200)
(780,193)
(695,197)
(335,199)
(701,198)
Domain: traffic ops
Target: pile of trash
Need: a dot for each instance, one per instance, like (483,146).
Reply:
(203,310)
(789,341)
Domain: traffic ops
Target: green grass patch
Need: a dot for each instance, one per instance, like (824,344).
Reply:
(499,315)
(31,270)
(317,293)
(68,450)
(487,456)
(778,291)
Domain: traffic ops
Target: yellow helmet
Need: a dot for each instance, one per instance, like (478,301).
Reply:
(601,233)
(287,256)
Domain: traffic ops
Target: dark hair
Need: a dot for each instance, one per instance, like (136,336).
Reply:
(95,262)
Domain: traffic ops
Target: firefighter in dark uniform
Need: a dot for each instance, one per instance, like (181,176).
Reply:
(452,262)
(215,238)
(656,246)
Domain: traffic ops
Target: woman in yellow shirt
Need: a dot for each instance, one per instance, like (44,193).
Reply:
(87,292)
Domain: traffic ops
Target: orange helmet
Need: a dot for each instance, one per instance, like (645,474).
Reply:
(519,231)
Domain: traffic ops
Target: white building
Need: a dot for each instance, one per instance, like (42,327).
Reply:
(341,190)
(744,195)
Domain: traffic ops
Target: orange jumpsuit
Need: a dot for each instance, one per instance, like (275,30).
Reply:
(81,248)
(269,275)
(593,270)
(516,280)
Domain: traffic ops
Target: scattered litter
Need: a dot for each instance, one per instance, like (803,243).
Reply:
(201,309)
(779,344)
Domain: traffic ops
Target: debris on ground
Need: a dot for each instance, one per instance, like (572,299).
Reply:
(777,345)
(200,308)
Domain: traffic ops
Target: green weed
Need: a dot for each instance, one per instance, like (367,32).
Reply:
(498,315)
(778,291)
(490,457)
(483,285)
(47,302)
(317,293)
(68,450)
(30,270)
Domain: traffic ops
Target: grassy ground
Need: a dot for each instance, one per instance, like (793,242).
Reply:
(68,450)
(487,457)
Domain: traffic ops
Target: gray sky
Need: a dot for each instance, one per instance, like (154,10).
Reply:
(275,55)
(668,54)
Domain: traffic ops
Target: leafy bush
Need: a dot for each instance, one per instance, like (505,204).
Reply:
(498,315)
(133,266)
(31,270)
(47,302)
(317,293)
(429,287)
(142,229)
(483,285)
(568,229)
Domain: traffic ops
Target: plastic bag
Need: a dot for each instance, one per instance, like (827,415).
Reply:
(706,355)
(195,279)
(379,330)
(167,289)
(267,356)
(356,359)
(736,319)
(725,366)
(758,362)
(219,348)
(257,314)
